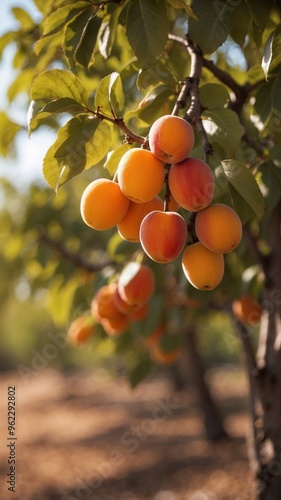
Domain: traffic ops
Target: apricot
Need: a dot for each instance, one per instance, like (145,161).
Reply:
(151,340)
(123,306)
(218,228)
(117,325)
(163,235)
(192,184)
(103,303)
(140,175)
(129,227)
(247,309)
(158,355)
(171,138)
(136,283)
(103,205)
(139,313)
(80,330)
(203,269)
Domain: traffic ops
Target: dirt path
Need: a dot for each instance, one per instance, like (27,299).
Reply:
(86,437)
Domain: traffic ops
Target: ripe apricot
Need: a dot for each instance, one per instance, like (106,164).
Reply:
(192,184)
(80,330)
(163,235)
(139,313)
(103,205)
(129,227)
(247,309)
(117,325)
(136,283)
(162,357)
(140,175)
(171,138)
(103,304)
(218,228)
(151,340)
(203,269)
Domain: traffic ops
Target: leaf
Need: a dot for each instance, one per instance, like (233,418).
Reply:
(80,144)
(56,83)
(114,157)
(39,110)
(8,131)
(259,11)
(24,18)
(223,126)
(153,75)
(110,96)
(107,33)
(85,51)
(214,23)
(183,4)
(272,52)
(240,26)
(268,99)
(62,16)
(60,298)
(213,96)
(74,34)
(243,184)
(161,103)
(147,29)
(271,178)
(140,371)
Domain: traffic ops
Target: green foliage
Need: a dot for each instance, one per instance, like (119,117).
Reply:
(100,73)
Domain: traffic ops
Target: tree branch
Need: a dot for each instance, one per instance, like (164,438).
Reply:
(75,259)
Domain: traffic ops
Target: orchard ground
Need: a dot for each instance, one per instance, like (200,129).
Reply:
(86,436)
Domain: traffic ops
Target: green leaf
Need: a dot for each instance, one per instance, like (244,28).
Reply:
(107,32)
(8,131)
(271,178)
(114,157)
(223,126)
(243,184)
(49,42)
(214,23)
(56,83)
(259,11)
(80,144)
(85,55)
(183,4)
(268,99)
(24,18)
(62,16)
(272,52)
(110,96)
(39,110)
(159,102)
(153,75)
(74,34)
(147,29)
(240,26)
(142,369)
(213,96)
(6,39)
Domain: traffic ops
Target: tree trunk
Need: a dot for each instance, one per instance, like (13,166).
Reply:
(265,378)
(212,419)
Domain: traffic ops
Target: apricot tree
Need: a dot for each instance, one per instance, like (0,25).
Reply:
(173,108)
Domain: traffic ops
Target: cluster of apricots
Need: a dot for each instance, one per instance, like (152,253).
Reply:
(134,206)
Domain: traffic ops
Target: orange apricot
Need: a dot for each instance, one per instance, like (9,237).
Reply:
(136,283)
(129,227)
(151,340)
(140,175)
(171,138)
(203,269)
(163,235)
(192,184)
(117,325)
(80,330)
(139,313)
(103,205)
(219,228)
(159,356)
(103,304)
(247,309)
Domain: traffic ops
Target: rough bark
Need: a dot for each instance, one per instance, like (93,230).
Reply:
(266,378)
